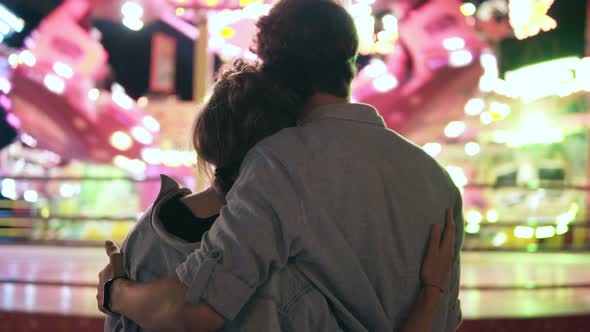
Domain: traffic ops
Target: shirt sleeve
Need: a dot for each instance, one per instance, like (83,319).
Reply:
(257,231)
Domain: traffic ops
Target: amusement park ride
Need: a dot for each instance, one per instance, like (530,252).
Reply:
(54,93)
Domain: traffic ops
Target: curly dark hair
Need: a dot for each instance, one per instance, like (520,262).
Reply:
(241,112)
(311,45)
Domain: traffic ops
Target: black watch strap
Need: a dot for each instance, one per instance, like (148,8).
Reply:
(106,296)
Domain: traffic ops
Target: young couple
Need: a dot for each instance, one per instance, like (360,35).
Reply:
(319,217)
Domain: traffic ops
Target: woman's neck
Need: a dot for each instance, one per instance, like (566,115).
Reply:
(206,203)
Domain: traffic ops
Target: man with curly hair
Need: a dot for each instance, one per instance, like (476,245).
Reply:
(346,201)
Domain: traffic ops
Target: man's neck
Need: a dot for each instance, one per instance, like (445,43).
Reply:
(322,99)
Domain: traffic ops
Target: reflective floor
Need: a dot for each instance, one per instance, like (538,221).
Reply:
(494,285)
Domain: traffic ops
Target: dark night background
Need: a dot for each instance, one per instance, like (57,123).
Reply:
(130,51)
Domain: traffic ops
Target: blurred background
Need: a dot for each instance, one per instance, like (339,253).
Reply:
(97,99)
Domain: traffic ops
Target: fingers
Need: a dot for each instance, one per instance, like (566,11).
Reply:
(435,235)
(110,248)
(448,241)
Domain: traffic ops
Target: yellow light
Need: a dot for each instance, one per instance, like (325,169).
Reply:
(492,215)
(227,32)
(211,2)
(180,11)
(545,232)
(468,9)
(499,110)
(524,232)
(472,228)
(474,217)
(45,213)
(121,141)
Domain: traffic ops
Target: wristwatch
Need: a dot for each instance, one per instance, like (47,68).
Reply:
(106,294)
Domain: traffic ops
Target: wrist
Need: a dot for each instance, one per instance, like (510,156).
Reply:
(117,290)
(432,295)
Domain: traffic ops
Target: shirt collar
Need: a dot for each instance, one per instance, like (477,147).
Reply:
(350,112)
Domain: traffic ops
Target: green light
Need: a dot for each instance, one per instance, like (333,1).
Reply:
(532,247)
(472,228)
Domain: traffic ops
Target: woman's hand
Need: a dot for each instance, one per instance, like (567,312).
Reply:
(437,263)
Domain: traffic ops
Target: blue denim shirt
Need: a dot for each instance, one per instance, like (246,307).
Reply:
(350,203)
(150,252)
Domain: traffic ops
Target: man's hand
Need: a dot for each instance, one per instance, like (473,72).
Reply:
(113,269)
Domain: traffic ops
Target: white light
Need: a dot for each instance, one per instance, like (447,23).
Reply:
(4,28)
(454,129)
(31,196)
(472,149)
(151,156)
(13,60)
(9,188)
(5,85)
(66,190)
(389,22)
(15,22)
(122,99)
(457,175)
(500,109)
(150,123)
(499,239)
(433,149)
(374,69)
(474,106)
(385,83)
(133,23)
(28,140)
(132,10)
(492,216)
(27,58)
(561,229)
(486,118)
(121,141)
(474,217)
(454,43)
(489,62)
(545,232)
(460,58)
(63,70)
(142,135)
(472,228)
(93,94)
(468,9)
(524,232)
(54,84)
